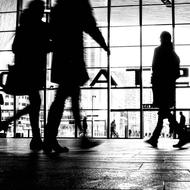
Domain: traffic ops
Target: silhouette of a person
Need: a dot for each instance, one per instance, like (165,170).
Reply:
(68,66)
(182,121)
(113,129)
(165,71)
(30,46)
(85,126)
(1,103)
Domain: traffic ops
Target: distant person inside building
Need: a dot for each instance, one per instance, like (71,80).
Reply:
(1,103)
(85,126)
(30,47)
(68,20)
(182,121)
(165,72)
(113,129)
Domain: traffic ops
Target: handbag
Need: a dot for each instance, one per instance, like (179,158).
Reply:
(12,81)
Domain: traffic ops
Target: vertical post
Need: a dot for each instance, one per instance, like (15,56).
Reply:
(93,96)
(141,83)
(48,6)
(18,11)
(108,67)
(173,36)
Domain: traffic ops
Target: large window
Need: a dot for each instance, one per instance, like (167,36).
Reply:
(133,32)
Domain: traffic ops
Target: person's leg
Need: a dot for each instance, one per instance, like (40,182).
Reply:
(76,109)
(35,103)
(183,137)
(156,133)
(53,122)
(85,142)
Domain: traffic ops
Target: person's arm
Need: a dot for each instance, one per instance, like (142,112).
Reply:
(91,28)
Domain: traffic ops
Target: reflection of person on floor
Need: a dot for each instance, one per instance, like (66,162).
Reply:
(113,129)
(165,72)
(182,121)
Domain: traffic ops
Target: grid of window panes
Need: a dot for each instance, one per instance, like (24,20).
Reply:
(132,46)
(8,12)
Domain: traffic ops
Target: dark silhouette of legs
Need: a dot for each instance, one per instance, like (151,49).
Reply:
(54,119)
(34,111)
(162,114)
(76,110)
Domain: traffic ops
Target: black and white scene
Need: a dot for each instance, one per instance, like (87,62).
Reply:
(94,94)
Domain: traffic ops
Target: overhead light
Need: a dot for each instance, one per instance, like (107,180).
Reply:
(167,3)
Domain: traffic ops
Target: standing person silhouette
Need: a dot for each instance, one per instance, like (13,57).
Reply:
(31,45)
(85,126)
(68,20)
(182,121)
(165,71)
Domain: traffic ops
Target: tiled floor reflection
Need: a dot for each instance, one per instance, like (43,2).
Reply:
(115,164)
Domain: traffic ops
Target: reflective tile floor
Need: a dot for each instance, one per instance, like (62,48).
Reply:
(115,164)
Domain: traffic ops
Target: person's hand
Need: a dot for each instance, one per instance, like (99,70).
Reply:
(107,50)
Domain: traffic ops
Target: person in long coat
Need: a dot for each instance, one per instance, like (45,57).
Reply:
(165,72)
(30,47)
(68,20)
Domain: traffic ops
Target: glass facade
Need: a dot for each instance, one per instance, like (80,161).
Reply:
(119,87)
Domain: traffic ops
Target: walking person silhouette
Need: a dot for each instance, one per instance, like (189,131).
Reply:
(68,66)
(165,72)
(182,121)
(30,46)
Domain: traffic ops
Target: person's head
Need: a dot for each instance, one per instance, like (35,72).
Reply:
(165,37)
(180,113)
(37,7)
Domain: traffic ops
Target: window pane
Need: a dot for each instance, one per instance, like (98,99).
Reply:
(151,2)
(122,16)
(125,36)
(147,56)
(8,5)
(6,39)
(7,21)
(151,34)
(150,121)
(182,95)
(182,34)
(127,123)
(100,15)
(6,59)
(125,99)
(125,56)
(97,3)
(157,15)
(182,13)
(96,99)
(124,2)
(183,53)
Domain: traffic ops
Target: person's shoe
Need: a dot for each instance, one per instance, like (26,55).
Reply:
(154,144)
(58,148)
(50,146)
(85,143)
(47,147)
(36,144)
(181,143)
(4,125)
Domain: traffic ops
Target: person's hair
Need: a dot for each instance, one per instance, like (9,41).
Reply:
(36,4)
(165,37)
